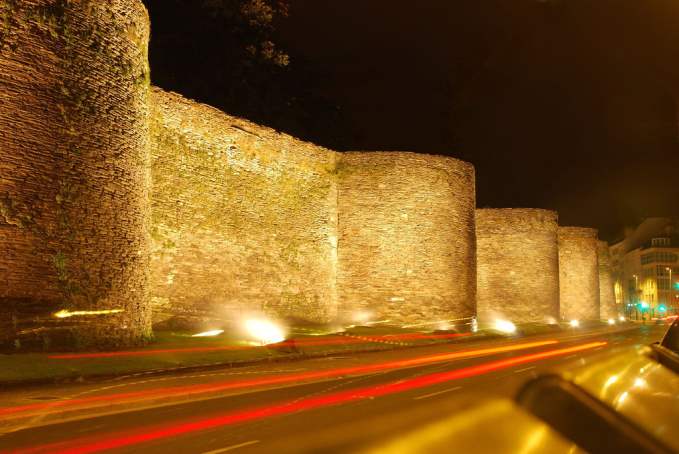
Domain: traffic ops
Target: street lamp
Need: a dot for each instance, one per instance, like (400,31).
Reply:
(670,290)
(670,270)
(636,296)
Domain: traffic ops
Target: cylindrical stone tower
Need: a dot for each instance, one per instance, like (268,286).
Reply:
(578,273)
(517,265)
(606,291)
(74,83)
(406,250)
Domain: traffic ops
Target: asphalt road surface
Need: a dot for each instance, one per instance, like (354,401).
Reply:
(334,404)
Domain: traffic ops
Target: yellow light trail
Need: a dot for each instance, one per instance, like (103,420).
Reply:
(64,313)
(45,407)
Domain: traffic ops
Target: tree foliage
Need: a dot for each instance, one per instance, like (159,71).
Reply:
(227,53)
(253,21)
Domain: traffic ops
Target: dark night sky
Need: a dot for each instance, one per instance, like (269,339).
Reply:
(566,104)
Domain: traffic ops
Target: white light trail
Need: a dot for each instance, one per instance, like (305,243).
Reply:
(214,332)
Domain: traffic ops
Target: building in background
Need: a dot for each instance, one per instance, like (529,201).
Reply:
(646,269)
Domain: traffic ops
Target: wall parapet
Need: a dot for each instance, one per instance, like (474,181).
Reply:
(513,220)
(578,232)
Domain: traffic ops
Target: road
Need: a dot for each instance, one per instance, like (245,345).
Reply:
(334,404)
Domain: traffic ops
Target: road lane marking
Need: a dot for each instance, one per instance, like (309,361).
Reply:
(525,369)
(123,439)
(231,448)
(270,380)
(182,377)
(437,393)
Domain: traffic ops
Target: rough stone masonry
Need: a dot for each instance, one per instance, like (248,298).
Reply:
(74,84)
(121,204)
(117,200)
(578,273)
(518,265)
(606,290)
(406,237)
(243,219)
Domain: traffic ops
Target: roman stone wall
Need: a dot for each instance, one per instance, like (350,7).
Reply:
(608,307)
(117,200)
(243,219)
(517,265)
(406,237)
(578,273)
(74,84)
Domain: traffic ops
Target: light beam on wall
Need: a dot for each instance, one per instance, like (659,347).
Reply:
(64,313)
(505,326)
(264,331)
(214,332)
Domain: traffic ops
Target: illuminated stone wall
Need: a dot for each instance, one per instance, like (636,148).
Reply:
(119,200)
(578,273)
(608,307)
(74,84)
(517,265)
(243,218)
(406,237)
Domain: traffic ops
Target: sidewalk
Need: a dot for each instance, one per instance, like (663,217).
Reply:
(179,351)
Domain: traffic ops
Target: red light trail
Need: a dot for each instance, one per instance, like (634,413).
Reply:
(271,380)
(90,445)
(284,344)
